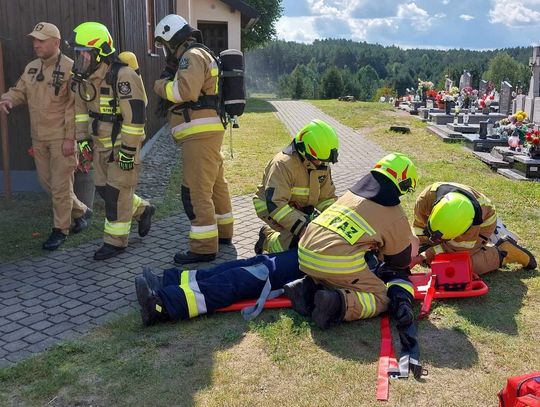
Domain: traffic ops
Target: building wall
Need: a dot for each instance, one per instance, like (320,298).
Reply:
(212,10)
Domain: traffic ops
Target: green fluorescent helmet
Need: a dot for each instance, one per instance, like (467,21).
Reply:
(400,169)
(318,141)
(450,217)
(92,35)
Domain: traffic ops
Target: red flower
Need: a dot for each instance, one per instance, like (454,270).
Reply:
(536,140)
(528,137)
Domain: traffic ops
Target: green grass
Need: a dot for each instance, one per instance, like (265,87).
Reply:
(28,216)
(469,346)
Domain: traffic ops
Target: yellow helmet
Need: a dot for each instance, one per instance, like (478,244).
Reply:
(400,169)
(92,35)
(317,141)
(91,42)
(450,217)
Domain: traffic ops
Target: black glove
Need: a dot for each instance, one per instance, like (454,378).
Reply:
(126,161)
(170,69)
(163,107)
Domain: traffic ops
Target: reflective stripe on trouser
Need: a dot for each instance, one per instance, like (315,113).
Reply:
(205,192)
(117,188)
(224,284)
(277,241)
(484,256)
(365,294)
(56,175)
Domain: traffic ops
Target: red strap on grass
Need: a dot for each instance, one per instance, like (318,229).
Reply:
(426,305)
(387,359)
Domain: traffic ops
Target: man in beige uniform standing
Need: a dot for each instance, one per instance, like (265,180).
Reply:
(191,84)
(44,86)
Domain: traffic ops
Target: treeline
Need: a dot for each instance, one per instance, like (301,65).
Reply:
(331,68)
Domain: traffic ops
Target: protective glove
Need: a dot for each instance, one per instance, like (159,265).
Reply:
(170,69)
(126,161)
(85,148)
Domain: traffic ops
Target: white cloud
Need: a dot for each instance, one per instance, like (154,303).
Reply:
(445,2)
(299,29)
(514,13)
(466,17)
(411,11)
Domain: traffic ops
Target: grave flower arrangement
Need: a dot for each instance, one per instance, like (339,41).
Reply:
(486,101)
(424,85)
(431,93)
(517,130)
(532,142)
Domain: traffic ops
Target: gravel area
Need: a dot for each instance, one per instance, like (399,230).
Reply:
(159,156)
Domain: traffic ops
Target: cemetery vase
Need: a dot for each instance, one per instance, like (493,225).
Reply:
(534,151)
(447,107)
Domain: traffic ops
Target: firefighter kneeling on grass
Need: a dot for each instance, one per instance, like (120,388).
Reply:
(339,285)
(451,217)
(110,104)
(297,184)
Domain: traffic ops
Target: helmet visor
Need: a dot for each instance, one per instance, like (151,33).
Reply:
(84,62)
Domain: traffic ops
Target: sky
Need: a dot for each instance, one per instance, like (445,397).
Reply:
(438,24)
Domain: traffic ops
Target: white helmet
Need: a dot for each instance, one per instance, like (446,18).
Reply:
(172,31)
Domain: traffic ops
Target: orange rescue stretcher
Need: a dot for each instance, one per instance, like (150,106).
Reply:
(451,276)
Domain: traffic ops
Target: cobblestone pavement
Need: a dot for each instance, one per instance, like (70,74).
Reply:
(61,295)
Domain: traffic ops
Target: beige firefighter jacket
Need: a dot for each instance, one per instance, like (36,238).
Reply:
(197,75)
(289,186)
(131,109)
(51,115)
(477,235)
(335,242)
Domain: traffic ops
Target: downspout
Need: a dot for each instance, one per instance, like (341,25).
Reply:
(4,131)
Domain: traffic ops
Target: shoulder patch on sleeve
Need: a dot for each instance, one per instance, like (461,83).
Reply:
(183,63)
(124,88)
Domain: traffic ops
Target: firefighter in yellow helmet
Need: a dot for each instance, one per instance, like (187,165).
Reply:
(451,217)
(110,104)
(297,184)
(44,86)
(189,86)
(339,285)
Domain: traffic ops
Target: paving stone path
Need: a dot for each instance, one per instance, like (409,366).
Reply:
(61,295)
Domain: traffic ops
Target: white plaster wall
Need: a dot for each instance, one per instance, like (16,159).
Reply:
(209,11)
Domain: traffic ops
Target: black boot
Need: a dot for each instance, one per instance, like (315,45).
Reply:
(227,241)
(190,257)
(107,251)
(154,282)
(329,307)
(79,224)
(145,222)
(152,309)
(55,240)
(301,292)
(259,244)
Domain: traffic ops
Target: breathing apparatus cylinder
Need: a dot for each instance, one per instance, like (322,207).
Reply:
(129,58)
(233,85)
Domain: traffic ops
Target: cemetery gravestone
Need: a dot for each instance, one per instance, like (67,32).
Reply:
(482,88)
(465,80)
(505,101)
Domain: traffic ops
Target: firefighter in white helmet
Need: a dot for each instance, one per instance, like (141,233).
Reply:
(190,83)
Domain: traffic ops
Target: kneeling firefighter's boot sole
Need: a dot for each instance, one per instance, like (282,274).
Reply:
(516,254)
(328,308)
(301,292)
